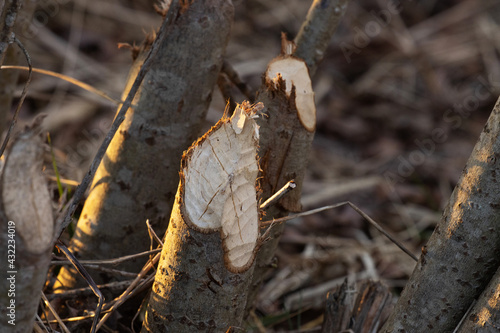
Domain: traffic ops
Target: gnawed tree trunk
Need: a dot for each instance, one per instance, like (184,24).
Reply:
(462,253)
(27,233)
(138,177)
(209,248)
(484,316)
(287,134)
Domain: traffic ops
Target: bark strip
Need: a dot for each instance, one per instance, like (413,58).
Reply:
(462,253)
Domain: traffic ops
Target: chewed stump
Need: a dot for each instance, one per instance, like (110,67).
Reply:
(213,235)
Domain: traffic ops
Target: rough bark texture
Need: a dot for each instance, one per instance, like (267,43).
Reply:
(462,253)
(322,20)
(484,317)
(195,288)
(27,233)
(197,293)
(138,177)
(360,308)
(338,309)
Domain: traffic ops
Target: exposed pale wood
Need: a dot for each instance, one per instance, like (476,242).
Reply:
(295,74)
(220,173)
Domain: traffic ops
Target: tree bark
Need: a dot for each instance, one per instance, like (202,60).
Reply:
(138,177)
(484,317)
(27,233)
(462,253)
(316,32)
(206,263)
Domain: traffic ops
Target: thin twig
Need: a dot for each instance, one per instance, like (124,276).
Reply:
(36,328)
(89,280)
(309,212)
(82,188)
(21,100)
(114,261)
(44,312)
(68,79)
(154,235)
(464,316)
(54,312)
(125,295)
(278,195)
(67,182)
(117,285)
(110,271)
(353,206)
(75,319)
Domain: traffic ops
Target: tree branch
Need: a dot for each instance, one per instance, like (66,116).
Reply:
(317,30)
(462,253)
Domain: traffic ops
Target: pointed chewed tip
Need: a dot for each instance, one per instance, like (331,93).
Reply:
(295,73)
